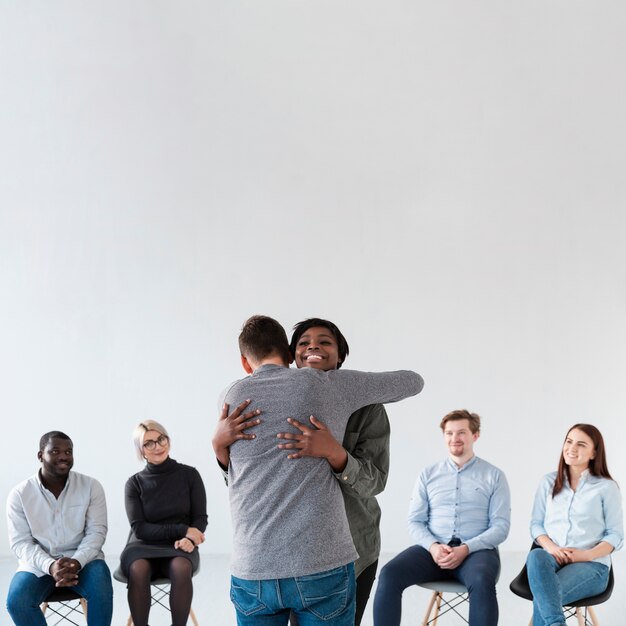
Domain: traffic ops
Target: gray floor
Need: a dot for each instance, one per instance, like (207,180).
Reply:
(212,605)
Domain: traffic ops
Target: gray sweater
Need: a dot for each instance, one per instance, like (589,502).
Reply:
(288,516)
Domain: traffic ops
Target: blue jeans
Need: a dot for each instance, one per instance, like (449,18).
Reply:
(27,592)
(553,586)
(478,572)
(323,598)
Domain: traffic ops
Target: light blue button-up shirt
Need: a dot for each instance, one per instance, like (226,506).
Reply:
(472,503)
(582,518)
(43,528)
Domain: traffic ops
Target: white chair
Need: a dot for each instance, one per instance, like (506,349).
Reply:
(439,605)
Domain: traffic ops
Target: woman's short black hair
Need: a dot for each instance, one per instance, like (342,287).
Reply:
(301,327)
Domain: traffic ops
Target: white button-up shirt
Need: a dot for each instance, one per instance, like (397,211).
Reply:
(582,518)
(43,528)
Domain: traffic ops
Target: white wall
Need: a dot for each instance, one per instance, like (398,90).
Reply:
(444,180)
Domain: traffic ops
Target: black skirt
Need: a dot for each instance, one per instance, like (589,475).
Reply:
(139,550)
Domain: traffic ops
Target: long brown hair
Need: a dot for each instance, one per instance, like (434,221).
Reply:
(597,465)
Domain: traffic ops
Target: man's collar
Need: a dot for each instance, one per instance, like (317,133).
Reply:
(465,465)
(68,480)
(267,366)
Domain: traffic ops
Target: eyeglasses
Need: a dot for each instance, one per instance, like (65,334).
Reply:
(150,444)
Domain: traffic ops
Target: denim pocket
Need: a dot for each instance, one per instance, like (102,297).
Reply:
(326,594)
(246,595)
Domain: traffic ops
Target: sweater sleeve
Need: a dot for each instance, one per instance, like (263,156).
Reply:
(419,515)
(21,540)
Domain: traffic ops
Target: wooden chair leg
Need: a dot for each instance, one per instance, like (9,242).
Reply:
(592,615)
(433,599)
(437,608)
(83,606)
(580,617)
(193,617)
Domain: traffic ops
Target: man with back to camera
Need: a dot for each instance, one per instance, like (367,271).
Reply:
(57,523)
(460,512)
(292,548)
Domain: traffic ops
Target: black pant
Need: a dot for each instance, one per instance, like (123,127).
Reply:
(478,572)
(364,584)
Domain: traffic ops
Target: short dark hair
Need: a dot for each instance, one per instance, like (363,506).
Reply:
(262,336)
(53,434)
(462,414)
(301,327)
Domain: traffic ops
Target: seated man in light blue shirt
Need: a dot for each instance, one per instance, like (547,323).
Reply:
(460,512)
(57,523)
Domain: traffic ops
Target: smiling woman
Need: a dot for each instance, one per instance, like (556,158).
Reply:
(577,520)
(360,462)
(166,508)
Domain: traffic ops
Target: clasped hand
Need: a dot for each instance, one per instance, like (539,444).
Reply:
(565,556)
(65,572)
(447,557)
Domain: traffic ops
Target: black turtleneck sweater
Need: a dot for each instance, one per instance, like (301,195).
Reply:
(162,502)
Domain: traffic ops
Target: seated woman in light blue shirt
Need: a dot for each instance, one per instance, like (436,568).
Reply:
(577,520)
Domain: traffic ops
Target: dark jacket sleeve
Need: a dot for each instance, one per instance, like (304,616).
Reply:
(367,443)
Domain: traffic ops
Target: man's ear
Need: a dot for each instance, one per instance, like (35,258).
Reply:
(40,455)
(246,365)
(476,435)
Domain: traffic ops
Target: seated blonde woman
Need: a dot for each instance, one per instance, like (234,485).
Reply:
(166,508)
(577,521)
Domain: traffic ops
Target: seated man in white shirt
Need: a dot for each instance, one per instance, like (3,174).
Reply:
(460,512)
(57,523)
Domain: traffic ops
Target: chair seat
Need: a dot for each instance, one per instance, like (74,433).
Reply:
(439,605)
(580,609)
(444,586)
(118,574)
(521,587)
(64,604)
(62,594)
